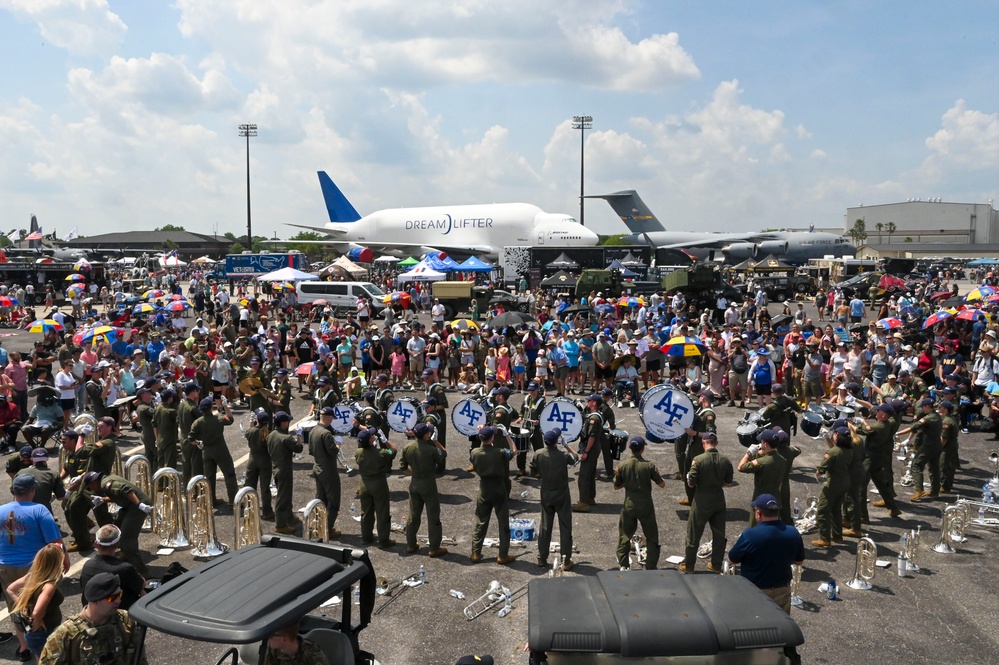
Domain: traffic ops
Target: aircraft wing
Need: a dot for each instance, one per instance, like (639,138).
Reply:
(722,240)
(394,248)
(320,229)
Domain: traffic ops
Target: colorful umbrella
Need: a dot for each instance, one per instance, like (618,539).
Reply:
(320,302)
(631,301)
(891,323)
(82,264)
(245,301)
(683,347)
(981,293)
(619,360)
(971,314)
(8,302)
(994,298)
(74,291)
(176,306)
(75,277)
(175,297)
(45,325)
(464,324)
(98,334)
(144,308)
(936,318)
(400,297)
(153,293)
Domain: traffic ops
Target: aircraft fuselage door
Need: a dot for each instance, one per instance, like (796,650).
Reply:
(541,237)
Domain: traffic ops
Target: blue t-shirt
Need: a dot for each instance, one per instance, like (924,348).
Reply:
(25,528)
(365,345)
(766,551)
(856,307)
(571,352)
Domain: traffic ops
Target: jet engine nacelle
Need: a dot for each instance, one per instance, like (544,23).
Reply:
(361,255)
(775,247)
(741,251)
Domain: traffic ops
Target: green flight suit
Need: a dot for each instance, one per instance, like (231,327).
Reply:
(704,421)
(165,421)
(282,446)
(209,429)
(504,414)
(551,465)
(436,390)
(374,464)
(129,518)
(424,460)
(368,417)
(531,410)
(880,445)
(591,441)
(636,476)
(144,413)
(323,446)
(187,413)
(607,444)
(949,460)
(283,391)
(855,503)
(781,413)
(709,473)
(383,400)
(768,476)
(258,400)
(78,502)
(835,465)
(928,431)
(80,642)
(258,468)
(492,466)
(788,453)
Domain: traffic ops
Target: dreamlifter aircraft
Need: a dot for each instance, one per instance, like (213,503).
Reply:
(482,229)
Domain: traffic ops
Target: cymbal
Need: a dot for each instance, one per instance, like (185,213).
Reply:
(250,385)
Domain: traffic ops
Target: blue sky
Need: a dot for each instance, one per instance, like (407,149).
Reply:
(725,116)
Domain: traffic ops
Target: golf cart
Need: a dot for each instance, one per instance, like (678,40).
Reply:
(243,597)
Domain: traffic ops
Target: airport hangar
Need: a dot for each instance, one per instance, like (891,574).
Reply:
(927,228)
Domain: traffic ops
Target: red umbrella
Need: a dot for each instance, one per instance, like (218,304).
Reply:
(304,369)
(320,302)
(970,314)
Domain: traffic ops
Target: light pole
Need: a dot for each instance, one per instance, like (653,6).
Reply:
(582,123)
(248,130)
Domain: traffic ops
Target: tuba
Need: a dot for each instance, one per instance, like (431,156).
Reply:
(141,478)
(201,518)
(952,531)
(246,515)
(315,526)
(168,508)
(796,571)
(863,573)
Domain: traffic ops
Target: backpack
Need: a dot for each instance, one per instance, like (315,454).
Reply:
(761,376)
(739,365)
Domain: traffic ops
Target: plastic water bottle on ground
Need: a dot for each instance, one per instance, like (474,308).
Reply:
(356,593)
(456,594)
(423,574)
(797,512)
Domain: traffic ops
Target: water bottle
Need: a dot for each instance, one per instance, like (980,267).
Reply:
(457,594)
(523,495)
(241,428)
(981,513)
(356,593)
(796,509)
(353,507)
(903,565)
(831,590)
(423,574)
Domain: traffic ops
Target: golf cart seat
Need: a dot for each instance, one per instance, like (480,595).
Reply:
(334,644)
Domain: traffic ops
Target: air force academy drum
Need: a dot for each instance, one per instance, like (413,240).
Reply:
(562,413)
(666,412)
(404,414)
(343,417)
(467,416)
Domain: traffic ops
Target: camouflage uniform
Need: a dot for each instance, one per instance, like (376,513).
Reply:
(79,642)
(308,654)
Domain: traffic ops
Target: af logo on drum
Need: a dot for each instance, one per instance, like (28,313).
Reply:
(666,412)
(674,411)
(562,413)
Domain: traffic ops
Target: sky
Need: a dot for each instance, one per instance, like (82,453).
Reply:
(725,116)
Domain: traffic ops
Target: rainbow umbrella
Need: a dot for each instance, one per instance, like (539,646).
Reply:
(75,277)
(153,293)
(45,325)
(981,293)
(936,318)
(144,308)
(176,306)
(98,334)
(6,301)
(82,264)
(970,314)
(320,302)
(992,299)
(891,323)
(74,291)
(631,301)
(683,347)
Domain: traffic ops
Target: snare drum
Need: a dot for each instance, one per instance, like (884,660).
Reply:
(811,423)
(563,414)
(618,442)
(404,414)
(666,411)
(747,433)
(343,417)
(521,438)
(467,415)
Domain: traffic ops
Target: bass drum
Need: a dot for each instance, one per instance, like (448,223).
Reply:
(562,413)
(404,414)
(811,423)
(747,433)
(666,411)
(618,442)
(467,415)
(343,417)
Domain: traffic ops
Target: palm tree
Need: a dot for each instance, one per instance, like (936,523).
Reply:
(890,228)
(879,227)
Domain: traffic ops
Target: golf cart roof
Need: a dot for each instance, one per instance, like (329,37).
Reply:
(245,595)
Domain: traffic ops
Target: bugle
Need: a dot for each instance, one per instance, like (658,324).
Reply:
(201,518)
(952,529)
(168,508)
(139,472)
(246,515)
(315,525)
(863,572)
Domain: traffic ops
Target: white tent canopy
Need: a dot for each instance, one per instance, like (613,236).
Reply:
(171,262)
(421,272)
(286,275)
(387,259)
(203,259)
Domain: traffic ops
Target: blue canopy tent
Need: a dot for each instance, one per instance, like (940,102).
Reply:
(474,265)
(625,272)
(440,265)
(983,262)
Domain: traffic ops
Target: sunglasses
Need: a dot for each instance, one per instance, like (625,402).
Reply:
(115,596)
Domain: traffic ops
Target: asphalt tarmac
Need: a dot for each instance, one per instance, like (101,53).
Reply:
(944,614)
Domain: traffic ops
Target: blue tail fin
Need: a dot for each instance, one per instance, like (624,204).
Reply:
(632,210)
(337,204)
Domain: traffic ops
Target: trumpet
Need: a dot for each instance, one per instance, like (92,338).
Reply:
(141,479)
(315,526)
(202,519)
(952,530)
(246,515)
(863,573)
(796,571)
(168,508)
(340,457)
(490,599)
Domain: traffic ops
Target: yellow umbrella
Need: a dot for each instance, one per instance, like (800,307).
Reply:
(464,324)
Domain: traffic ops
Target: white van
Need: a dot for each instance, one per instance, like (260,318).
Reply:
(341,296)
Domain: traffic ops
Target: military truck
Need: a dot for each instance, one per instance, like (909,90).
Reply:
(700,281)
(610,283)
(457,298)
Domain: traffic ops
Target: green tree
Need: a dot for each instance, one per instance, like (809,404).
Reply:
(612,239)
(170,227)
(879,227)
(236,248)
(858,233)
(229,235)
(5,241)
(312,250)
(890,229)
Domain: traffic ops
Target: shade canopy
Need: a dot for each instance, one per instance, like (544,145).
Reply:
(286,274)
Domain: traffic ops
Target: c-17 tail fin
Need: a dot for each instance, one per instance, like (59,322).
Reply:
(337,205)
(632,210)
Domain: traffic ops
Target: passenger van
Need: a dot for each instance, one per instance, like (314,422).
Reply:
(341,296)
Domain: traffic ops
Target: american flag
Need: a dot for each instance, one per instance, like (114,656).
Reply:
(37,235)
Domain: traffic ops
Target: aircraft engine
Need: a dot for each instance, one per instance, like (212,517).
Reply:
(361,255)
(741,251)
(775,247)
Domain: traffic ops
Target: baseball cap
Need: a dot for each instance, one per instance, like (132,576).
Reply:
(504,391)
(427,373)
(767,436)
(947,404)
(25,451)
(92,477)
(430,401)
(190,387)
(636,442)
(928,401)
(327,411)
(711,436)
(364,435)
(381,377)
(206,403)
(487,432)
(551,436)
(282,417)
(595,398)
(533,385)
(766,502)
(421,429)
(39,454)
(887,408)
(23,483)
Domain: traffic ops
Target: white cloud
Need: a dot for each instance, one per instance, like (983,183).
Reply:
(79,26)
(967,140)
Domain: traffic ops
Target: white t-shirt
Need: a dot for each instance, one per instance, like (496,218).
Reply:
(65,383)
